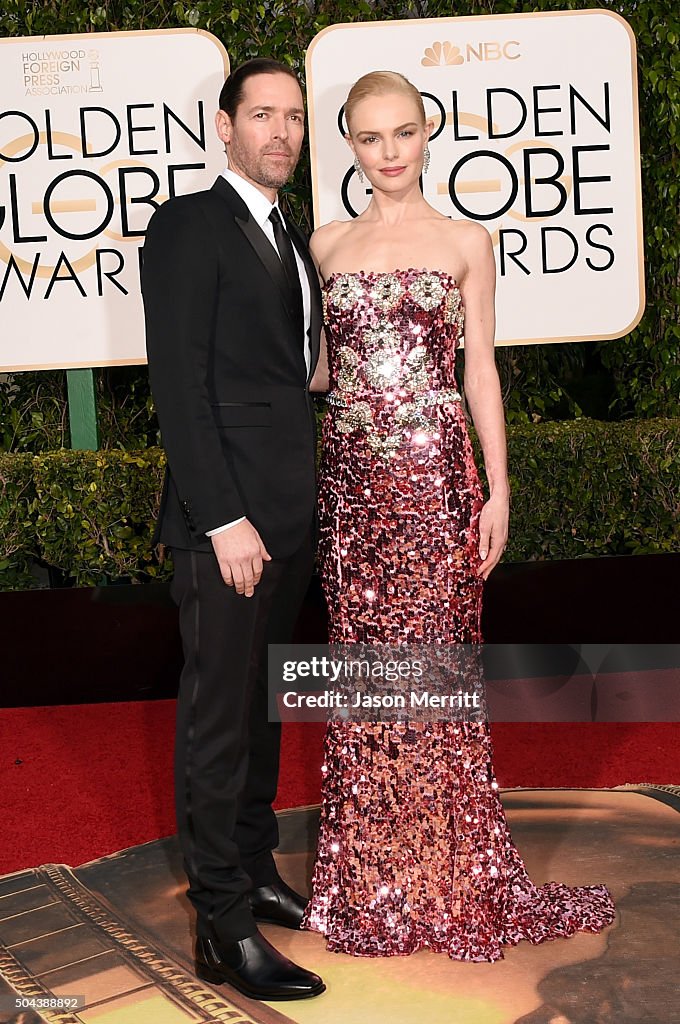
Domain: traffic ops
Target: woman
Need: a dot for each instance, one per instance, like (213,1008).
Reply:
(414,850)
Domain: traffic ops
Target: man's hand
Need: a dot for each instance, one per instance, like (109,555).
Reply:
(240,553)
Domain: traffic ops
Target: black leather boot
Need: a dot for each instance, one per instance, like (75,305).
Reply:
(255,968)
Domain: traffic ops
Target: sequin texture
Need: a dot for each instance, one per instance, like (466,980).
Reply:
(414,849)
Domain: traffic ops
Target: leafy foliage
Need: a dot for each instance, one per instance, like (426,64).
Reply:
(638,376)
(34,412)
(95,512)
(589,488)
(578,490)
(17,525)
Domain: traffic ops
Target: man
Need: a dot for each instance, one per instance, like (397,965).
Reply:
(233,317)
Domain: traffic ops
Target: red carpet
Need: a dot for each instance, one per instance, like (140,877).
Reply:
(78,782)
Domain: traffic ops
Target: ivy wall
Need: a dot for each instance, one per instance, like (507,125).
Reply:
(634,377)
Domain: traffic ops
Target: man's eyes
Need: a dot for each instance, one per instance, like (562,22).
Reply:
(262,114)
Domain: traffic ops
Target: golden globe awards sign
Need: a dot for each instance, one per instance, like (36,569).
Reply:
(536,136)
(95,132)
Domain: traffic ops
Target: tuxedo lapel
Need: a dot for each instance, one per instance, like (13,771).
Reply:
(265,250)
(256,237)
(273,265)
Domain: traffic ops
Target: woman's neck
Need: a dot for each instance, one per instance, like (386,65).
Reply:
(393,208)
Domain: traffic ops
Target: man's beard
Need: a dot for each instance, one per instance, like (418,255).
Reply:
(260,170)
(269,176)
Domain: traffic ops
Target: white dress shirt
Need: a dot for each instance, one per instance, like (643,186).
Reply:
(260,208)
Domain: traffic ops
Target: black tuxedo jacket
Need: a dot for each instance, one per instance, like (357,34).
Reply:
(228,373)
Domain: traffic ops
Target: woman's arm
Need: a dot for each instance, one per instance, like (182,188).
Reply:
(483,391)
(319,381)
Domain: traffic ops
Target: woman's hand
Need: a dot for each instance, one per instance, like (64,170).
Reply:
(493,532)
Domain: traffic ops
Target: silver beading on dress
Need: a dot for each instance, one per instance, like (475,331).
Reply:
(386,392)
(412,421)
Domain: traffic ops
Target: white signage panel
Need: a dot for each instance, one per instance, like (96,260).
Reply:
(95,131)
(536,135)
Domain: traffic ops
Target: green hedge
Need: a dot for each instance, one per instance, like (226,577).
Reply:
(638,376)
(578,489)
(589,488)
(95,512)
(17,521)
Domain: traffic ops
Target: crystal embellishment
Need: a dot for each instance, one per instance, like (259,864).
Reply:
(346,291)
(349,362)
(387,385)
(383,337)
(357,416)
(453,309)
(386,292)
(384,369)
(427,290)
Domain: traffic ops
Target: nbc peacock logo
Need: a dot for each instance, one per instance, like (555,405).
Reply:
(442,53)
(446,54)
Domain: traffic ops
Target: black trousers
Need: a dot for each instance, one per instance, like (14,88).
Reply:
(226,752)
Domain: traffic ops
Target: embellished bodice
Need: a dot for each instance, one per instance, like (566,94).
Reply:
(392,340)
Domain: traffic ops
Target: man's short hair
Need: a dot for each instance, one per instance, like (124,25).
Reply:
(232,90)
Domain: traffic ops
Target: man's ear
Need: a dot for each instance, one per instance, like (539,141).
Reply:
(223,126)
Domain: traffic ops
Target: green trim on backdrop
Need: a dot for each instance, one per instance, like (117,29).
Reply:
(82,409)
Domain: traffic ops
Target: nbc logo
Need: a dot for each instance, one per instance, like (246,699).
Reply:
(446,54)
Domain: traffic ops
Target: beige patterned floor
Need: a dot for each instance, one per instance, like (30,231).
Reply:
(117,932)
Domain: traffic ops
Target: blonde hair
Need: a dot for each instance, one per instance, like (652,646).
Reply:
(381,83)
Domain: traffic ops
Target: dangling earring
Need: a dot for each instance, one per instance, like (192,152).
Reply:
(426,159)
(357,168)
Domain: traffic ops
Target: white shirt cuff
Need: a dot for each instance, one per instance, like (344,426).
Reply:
(227,526)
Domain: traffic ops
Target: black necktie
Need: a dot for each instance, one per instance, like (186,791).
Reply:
(285,247)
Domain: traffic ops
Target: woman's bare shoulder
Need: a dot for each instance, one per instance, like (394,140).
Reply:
(327,236)
(470,232)
(327,233)
(474,244)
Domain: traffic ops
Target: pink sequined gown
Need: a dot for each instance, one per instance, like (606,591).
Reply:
(414,850)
